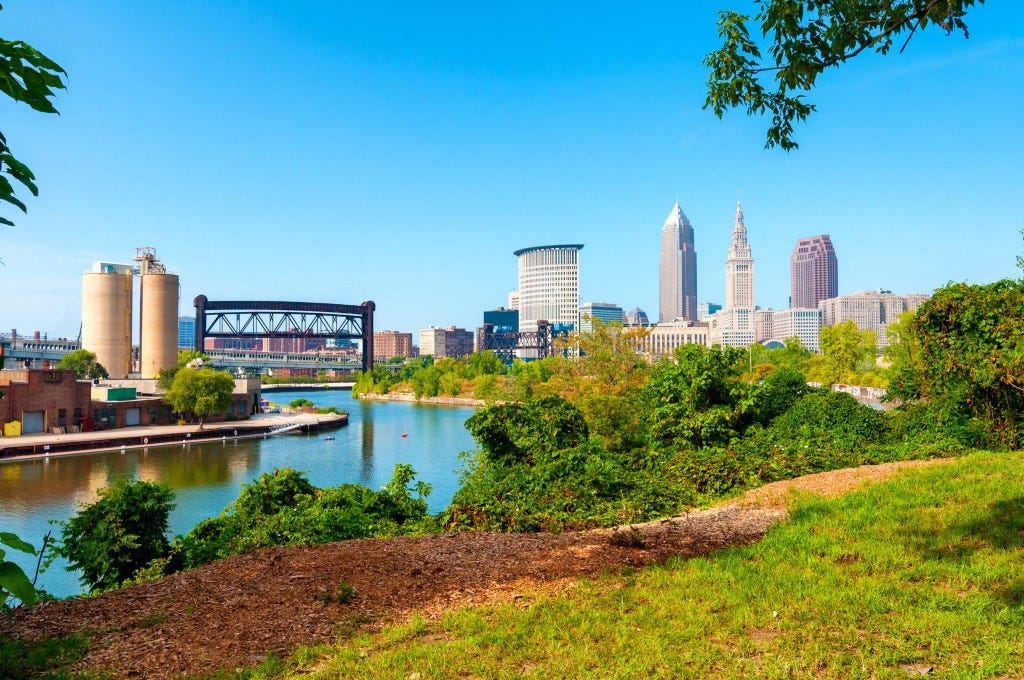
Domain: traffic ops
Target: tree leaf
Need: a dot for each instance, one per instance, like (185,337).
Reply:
(14,581)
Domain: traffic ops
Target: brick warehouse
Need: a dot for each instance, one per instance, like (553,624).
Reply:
(42,400)
(36,401)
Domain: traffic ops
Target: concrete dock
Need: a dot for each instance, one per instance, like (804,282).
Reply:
(164,435)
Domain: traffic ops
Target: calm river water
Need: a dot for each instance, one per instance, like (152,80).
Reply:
(206,477)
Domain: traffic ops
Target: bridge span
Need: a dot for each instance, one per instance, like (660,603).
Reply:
(250,320)
(257,361)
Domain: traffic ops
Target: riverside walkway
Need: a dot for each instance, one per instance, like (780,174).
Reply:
(164,435)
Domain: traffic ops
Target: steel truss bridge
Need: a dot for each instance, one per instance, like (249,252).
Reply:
(535,344)
(250,320)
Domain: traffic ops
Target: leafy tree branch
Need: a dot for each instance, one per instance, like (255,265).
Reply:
(30,77)
(805,38)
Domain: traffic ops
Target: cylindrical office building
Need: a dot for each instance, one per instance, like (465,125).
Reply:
(107,316)
(549,286)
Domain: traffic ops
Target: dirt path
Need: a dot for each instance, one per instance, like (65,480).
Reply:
(232,613)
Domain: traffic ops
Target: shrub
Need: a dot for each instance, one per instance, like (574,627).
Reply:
(521,432)
(122,532)
(830,419)
(283,508)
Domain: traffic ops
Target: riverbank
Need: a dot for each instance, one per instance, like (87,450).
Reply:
(411,398)
(222,616)
(306,387)
(42,445)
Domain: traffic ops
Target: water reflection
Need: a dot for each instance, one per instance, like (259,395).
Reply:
(205,477)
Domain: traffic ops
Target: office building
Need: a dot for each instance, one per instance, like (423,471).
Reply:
(605,311)
(636,317)
(871,310)
(677,282)
(495,333)
(445,342)
(665,337)
(731,327)
(803,324)
(549,286)
(706,309)
(186,332)
(739,267)
(814,272)
(391,344)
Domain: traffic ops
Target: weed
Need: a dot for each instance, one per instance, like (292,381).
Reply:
(343,594)
(631,537)
(152,620)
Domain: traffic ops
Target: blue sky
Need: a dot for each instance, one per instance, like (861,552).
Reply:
(399,152)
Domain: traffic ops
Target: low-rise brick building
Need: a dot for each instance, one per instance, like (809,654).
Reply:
(40,401)
(37,401)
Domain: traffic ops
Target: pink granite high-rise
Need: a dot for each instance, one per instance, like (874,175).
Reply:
(814,272)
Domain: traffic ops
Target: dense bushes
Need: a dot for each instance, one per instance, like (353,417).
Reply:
(537,469)
(122,532)
(283,508)
(122,536)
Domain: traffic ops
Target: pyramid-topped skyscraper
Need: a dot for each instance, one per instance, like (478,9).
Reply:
(678,269)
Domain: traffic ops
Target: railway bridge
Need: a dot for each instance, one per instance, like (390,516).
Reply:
(251,320)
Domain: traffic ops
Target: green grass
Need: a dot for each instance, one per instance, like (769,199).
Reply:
(41,659)
(922,571)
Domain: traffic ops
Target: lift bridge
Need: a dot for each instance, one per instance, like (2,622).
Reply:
(250,320)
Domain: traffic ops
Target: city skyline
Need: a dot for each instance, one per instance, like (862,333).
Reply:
(401,156)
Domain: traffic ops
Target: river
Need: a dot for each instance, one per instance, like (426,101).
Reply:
(206,477)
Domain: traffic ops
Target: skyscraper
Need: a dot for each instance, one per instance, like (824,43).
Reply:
(814,272)
(678,269)
(549,286)
(739,268)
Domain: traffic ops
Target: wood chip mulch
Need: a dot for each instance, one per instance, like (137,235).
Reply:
(232,613)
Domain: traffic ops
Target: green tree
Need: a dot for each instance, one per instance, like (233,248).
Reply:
(186,357)
(696,399)
(963,351)
(122,532)
(604,381)
(806,38)
(84,364)
(520,432)
(202,391)
(27,76)
(846,352)
(485,363)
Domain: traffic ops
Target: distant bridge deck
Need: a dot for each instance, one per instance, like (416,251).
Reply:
(246,358)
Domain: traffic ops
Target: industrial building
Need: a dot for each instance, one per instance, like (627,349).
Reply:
(107,294)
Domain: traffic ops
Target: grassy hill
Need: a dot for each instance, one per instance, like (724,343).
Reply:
(920,575)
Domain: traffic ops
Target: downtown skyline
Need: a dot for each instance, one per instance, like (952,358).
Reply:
(402,156)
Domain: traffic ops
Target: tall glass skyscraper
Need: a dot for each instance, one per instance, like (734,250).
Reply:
(677,283)
(187,332)
(814,272)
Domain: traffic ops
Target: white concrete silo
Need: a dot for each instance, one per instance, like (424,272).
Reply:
(107,316)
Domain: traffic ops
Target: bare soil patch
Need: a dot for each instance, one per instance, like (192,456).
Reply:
(232,613)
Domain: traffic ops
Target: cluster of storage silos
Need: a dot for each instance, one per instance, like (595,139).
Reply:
(107,294)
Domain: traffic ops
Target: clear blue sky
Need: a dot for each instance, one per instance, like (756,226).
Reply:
(339,152)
